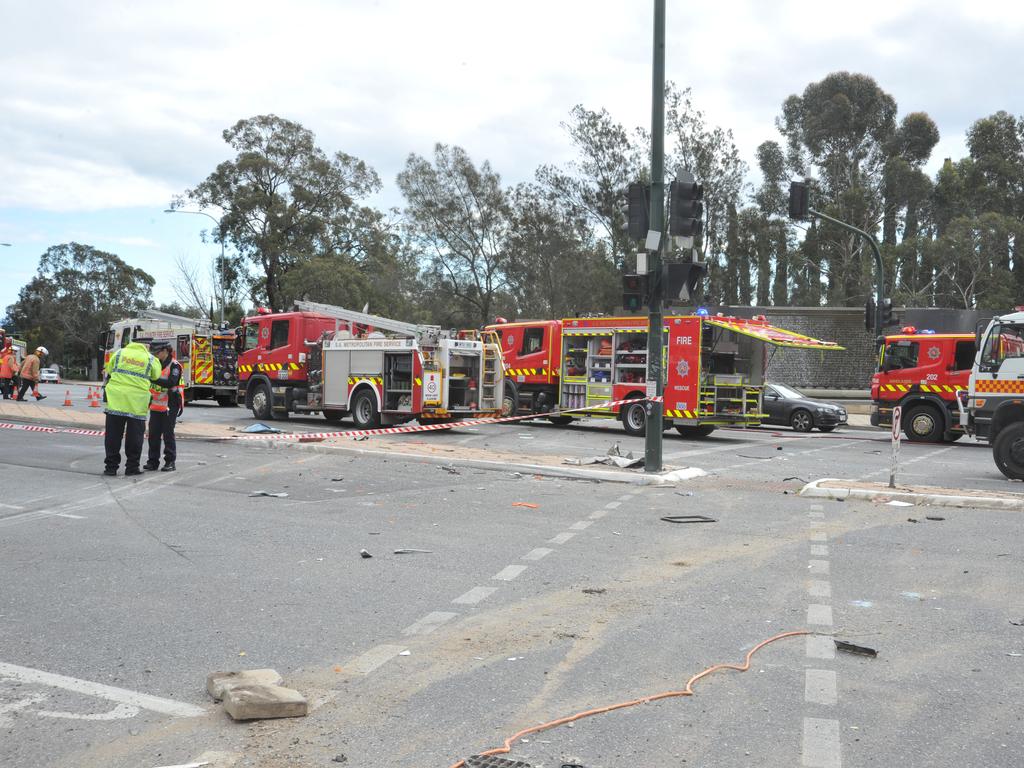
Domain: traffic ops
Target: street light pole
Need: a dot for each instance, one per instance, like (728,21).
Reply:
(220,229)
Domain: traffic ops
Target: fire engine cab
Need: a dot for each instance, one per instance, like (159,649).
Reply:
(335,361)
(715,368)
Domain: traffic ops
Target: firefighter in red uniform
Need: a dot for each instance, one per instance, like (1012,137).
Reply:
(164,408)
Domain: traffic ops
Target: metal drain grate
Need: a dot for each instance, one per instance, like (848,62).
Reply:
(489,761)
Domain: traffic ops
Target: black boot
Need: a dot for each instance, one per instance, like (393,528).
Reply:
(151,466)
(168,466)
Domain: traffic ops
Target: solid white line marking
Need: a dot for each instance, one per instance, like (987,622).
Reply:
(538,553)
(820,686)
(561,538)
(582,525)
(818,536)
(819,549)
(509,572)
(820,647)
(69,516)
(598,514)
(821,743)
(372,659)
(819,614)
(10,506)
(119,695)
(818,567)
(613,505)
(819,589)
(475,595)
(429,623)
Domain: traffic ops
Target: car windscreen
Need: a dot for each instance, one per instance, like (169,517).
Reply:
(787,392)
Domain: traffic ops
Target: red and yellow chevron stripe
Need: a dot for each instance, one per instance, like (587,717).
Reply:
(526,371)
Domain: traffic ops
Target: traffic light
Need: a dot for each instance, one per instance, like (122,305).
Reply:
(886,312)
(634,292)
(685,209)
(869,314)
(799,200)
(681,279)
(638,217)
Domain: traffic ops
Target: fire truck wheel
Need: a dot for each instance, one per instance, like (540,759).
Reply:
(261,403)
(801,420)
(923,424)
(334,416)
(702,430)
(952,437)
(364,410)
(560,420)
(226,401)
(1008,451)
(510,399)
(634,420)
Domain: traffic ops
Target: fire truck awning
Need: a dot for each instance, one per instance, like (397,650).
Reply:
(770,334)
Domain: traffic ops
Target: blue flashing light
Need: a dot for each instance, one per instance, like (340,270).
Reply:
(702,312)
(926,331)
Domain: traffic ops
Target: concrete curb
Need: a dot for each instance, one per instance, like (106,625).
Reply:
(814,491)
(596,475)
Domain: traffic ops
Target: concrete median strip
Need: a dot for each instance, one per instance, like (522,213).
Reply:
(832,488)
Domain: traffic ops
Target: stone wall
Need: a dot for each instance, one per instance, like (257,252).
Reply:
(812,369)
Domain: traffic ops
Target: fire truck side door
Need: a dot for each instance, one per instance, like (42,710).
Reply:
(183,353)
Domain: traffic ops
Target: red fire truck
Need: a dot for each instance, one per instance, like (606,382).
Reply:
(715,368)
(921,372)
(330,360)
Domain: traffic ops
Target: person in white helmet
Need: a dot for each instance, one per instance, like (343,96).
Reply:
(30,374)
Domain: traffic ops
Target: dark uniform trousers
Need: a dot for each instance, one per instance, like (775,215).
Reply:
(161,425)
(133,432)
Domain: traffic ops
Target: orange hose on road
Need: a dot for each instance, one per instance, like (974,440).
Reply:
(687,691)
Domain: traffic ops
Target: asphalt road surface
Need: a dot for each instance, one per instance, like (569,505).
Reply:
(119,595)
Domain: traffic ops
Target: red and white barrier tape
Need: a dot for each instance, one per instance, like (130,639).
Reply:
(356,434)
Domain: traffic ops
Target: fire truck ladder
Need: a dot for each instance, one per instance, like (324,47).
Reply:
(411,330)
(493,372)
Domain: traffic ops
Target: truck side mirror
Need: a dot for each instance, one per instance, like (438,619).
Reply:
(239,341)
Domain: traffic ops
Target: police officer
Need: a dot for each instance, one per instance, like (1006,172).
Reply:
(164,408)
(130,371)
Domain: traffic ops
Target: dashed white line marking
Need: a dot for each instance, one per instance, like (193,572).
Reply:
(819,614)
(819,549)
(69,516)
(816,507)
(821,743)
(816,514)
(475,595)
(818,536)
(818,567)
(613,505)
(372,659)
(820,686)
(429,623)
(110,693)
(598,514)
(627,497)
(509,572)
(538,553)
(582,525)
(819,589)
(820,647)
(561,538)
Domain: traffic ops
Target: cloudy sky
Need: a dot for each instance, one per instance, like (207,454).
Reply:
(109,109)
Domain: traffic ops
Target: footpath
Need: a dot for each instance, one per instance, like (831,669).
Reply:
(410,447)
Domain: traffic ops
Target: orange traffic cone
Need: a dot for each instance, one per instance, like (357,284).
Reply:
(67,398)
(94,401)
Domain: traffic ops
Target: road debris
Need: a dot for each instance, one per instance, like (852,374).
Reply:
(414,552)
(187,765)
(1017,623)
(794,477)
(449,470)
(264,702)
(337,479)
(517,475)
(862,603)
(219,683)
(684,493)
(272,494)
(895,503)
(526,504)
(405,653)
(688,519)
(364,554)
(935,518)
(260,428)
(913,520)
(859,650)
(594,591)
(339,758)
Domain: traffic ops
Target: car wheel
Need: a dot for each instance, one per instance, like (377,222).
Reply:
(364,410)
(509,399)
(261,403)
(1008,451)
(826,429)
(923,424)
(702,430)
(801,420)
(634,419)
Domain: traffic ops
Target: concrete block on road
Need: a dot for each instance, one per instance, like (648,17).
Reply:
(219,683)
(262,702)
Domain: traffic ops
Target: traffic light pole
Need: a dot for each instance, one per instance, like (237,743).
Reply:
(879,266)
(655,376)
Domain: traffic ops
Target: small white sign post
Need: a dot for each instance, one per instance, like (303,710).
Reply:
(897,416)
